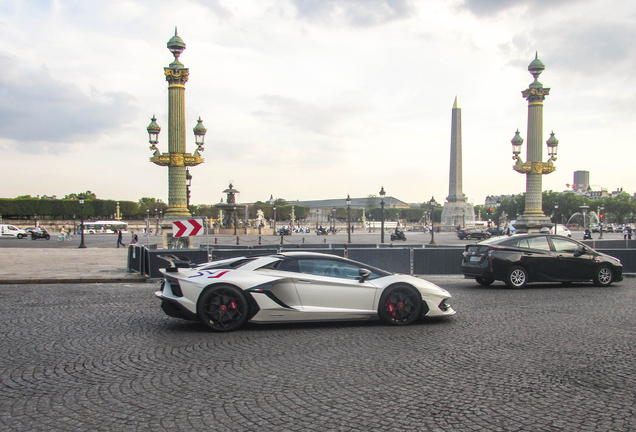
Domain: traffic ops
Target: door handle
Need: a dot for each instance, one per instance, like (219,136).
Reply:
(303,281)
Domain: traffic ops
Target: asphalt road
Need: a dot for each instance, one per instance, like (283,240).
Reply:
(104,357)
(110,240)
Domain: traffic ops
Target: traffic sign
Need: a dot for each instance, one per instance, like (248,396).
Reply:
(187,228)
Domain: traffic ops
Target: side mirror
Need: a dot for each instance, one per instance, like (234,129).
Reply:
(364,274)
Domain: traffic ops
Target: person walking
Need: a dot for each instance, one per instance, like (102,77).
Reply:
(119,239)
(134,239)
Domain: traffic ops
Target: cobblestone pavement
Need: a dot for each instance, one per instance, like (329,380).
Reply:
(103,357)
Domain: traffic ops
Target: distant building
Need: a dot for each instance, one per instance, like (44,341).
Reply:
(581,181)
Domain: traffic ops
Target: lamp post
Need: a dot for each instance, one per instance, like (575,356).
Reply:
(188,185)
(74,224)
(348,219)
(533,218)
(382,193)
(234,214)
(600,222)
(463,218)
(176,159)
(556,218)
(274,220)
(433,203)
(81,203)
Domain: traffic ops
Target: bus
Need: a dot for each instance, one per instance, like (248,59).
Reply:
(105,226)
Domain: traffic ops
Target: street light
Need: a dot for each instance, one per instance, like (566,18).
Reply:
(274,219)
(600,222)
(556,219)
(188,185)
(433,203)
(81,203)
(157,222)
(348,219)
(234,220)
(382,193)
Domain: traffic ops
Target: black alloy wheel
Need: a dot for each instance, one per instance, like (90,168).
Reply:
(400,305)
(603,276)
(484,281)
(517,277)
(468,237)
(222,308)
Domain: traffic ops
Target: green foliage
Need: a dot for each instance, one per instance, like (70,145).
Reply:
(88,195)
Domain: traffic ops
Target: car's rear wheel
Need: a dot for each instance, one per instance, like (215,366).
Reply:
(484,281)
(400,305)
(20,236)
(222,308)
(517,277)
(468,237)
(603,276)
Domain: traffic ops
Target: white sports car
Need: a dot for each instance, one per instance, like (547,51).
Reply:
(294,286)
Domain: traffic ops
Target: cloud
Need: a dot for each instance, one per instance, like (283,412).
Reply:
(364,13)
(35,107)
(323,120)
(493,7)
(216,8)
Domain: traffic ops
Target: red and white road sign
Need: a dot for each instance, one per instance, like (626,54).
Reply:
(187,228)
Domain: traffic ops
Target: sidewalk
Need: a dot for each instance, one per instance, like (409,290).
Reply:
(44,266)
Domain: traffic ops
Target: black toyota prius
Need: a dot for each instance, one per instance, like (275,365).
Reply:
(525,258)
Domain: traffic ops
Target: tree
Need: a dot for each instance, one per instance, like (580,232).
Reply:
(82,195)
(371,202)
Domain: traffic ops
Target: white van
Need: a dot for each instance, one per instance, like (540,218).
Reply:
(12,231)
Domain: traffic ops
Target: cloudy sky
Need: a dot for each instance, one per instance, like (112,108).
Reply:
(312,99)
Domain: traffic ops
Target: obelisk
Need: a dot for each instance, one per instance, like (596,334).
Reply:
(456,210)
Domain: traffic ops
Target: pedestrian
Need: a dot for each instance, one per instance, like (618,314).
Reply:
(134,239)
(629,233)
(119,239)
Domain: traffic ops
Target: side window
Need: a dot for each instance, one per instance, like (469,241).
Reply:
(539,243)
(331,268)
(563,245)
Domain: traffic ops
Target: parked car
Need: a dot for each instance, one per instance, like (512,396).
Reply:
(12,231)
(525,258)
(472,233)
(292,287)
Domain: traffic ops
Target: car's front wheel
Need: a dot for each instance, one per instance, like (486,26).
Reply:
(20,236)
(517,277)
(400,305)
(603,276)
(468,237)
(222,308)
(484,281)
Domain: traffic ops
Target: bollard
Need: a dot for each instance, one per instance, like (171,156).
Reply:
(259,239)
(346,250)
(325,241)
(303,240)
(216,240)
(237,240)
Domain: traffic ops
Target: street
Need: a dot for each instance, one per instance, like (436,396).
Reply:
(104,357)
(412,238)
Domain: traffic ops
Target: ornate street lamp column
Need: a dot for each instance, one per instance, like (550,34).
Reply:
(433,203)
(176,159)
(382,193)
(82,244)
(533,218)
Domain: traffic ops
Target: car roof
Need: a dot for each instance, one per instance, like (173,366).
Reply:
(496,240)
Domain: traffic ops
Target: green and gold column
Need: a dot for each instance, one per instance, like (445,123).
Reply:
(533,218)
(176,159)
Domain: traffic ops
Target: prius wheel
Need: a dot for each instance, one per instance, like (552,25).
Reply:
(603,276)
(222,308)
(484,281)
(400,305)
(517,277)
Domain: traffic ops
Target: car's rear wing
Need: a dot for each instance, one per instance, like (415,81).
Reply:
(176,262)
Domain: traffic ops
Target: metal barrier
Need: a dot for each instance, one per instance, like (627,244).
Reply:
(417,260)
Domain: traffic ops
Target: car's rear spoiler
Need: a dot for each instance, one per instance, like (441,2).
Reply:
(176,262)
